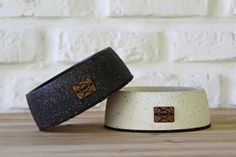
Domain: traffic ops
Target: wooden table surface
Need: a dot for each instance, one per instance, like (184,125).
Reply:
(86,136)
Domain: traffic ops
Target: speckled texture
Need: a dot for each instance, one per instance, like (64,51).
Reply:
(55,101)
(132,109)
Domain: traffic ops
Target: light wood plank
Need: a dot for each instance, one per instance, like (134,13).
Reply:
(86,136)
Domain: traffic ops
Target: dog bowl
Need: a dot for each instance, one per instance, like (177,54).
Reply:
(77,88)
(158,109)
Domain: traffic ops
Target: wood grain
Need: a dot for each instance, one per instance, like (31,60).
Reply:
(86,136)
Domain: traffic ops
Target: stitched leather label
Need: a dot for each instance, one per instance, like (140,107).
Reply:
(84,88)
(164,114)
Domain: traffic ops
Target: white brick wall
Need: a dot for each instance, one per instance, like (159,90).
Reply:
(164,43)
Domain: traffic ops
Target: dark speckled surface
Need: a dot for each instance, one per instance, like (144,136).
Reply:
(55,101)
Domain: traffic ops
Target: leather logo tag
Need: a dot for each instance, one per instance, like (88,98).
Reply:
(164,114)
(84,88)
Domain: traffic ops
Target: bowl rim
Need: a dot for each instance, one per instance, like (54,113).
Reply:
(160,89)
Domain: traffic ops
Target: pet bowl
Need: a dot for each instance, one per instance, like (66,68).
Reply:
(158,109)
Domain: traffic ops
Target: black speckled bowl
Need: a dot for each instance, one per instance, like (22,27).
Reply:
(78,88)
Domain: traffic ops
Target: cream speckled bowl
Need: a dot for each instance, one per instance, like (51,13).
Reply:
(158,109)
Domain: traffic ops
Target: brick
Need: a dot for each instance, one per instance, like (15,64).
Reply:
(54,8)
(15,91)
(64,8)
(17,46)
(234,7)
(203,46)
(131,46)
(138,47)
(2,99)
(14,8)
(228,90)
(161,8)
(74,46)
(222,8)
(210,83)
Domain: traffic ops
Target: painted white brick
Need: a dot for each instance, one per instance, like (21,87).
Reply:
(2,106)
(222,8)
(74,46)
(234,7)
(54,8)
(131,46)
(11,8)
(162,8)
(136,46)
(228,90)
(210,83)
(20,46)
(16,89)
(64,8)
(203,46)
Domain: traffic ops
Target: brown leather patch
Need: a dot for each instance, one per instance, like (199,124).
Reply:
(164,114)
(84,88)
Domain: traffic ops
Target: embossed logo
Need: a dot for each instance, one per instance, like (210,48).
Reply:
(164,114)
(84,88)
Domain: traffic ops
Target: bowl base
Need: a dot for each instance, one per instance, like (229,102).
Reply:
(160,131)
